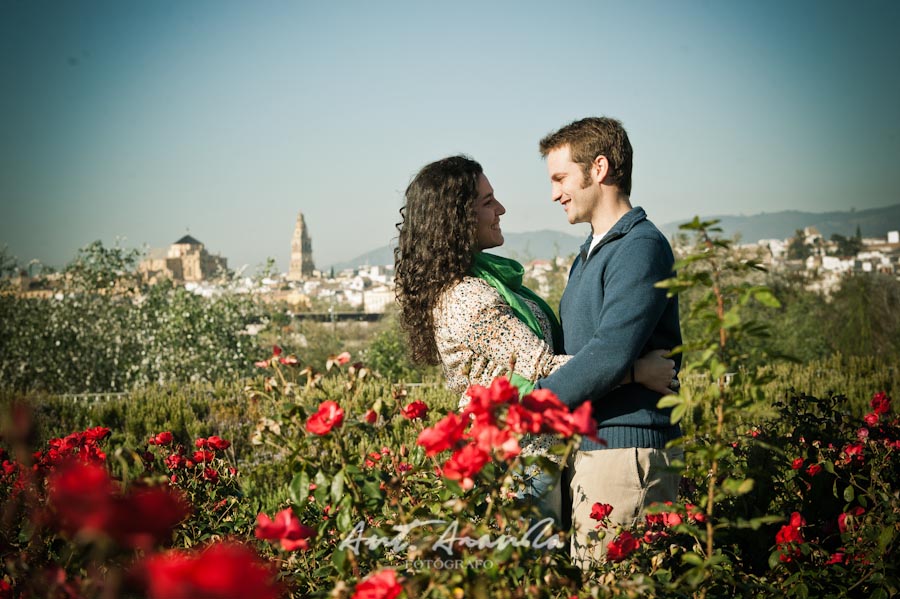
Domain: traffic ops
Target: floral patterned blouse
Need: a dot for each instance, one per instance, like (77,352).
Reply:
(477,333)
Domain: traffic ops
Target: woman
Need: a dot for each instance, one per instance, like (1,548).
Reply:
(468,310)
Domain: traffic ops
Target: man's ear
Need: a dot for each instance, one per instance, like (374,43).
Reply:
(599,169)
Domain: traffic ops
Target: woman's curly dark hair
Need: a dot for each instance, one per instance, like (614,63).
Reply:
(436,246)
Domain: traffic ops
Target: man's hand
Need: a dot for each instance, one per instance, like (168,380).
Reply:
(655,371)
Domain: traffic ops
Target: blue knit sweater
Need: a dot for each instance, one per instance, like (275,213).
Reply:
(611,315)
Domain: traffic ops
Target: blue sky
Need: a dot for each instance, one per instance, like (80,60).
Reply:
(148,119)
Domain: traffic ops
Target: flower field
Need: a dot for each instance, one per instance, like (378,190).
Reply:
(368,490)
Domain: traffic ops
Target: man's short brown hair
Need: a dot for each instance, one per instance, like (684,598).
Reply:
(592,137)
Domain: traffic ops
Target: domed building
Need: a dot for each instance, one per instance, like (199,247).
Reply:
(185,261)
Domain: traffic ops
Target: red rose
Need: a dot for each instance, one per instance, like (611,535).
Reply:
(416,409)
(484,401)
(854,452)
(695,513)
(881,403)
(97,433)
(521,420)
(466,463)
(797,464)
(790,535)
(813,469)
(203,456)
(175,461)
(218,443)
(83,496)
(853,514)
(557,418)
(371,416)
(672,518)
(542,400)
(329,416)
(837,557)
(601,511)
(489,439)
(871,418)
(285,528)
(163,438)
(221,571)
(146,516)
(583,423)
(380,585)
(654,519)
(443,435)
(621,547)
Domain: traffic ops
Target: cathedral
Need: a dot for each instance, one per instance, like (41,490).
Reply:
(185,261)
(302,266)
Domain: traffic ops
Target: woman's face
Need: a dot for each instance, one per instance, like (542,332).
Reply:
(487,216)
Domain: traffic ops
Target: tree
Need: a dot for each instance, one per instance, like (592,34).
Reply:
(846,246)
(798,249)
(9,265)
(97,267)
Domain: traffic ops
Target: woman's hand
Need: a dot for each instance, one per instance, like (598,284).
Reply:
(655,371)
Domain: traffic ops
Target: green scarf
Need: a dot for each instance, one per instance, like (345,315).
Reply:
(505,276)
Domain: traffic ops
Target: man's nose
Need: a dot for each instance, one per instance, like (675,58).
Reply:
(500,209)
(555,193)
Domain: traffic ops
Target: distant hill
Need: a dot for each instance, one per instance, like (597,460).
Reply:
(521,246)
(875,222)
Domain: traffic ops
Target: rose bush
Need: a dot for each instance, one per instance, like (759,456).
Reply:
(382,491)
(353,521)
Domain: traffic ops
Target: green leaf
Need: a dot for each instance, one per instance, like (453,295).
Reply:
(885,538)
(345,514)
(766,298)
(339,558)
(344,522)
(849,494)
(678,413)
(732,319)
(321,492)
(668,401)
(299,489)
(692,559)
(736,486)
(337,487)
(371,490)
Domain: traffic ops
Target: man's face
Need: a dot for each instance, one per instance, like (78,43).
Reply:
(487,216)
(579,198)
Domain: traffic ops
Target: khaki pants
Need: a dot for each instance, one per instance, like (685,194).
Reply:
(627,479)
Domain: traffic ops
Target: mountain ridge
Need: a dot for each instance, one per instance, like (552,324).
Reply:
(546,243)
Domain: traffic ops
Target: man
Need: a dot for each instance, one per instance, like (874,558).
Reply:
(611,314)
